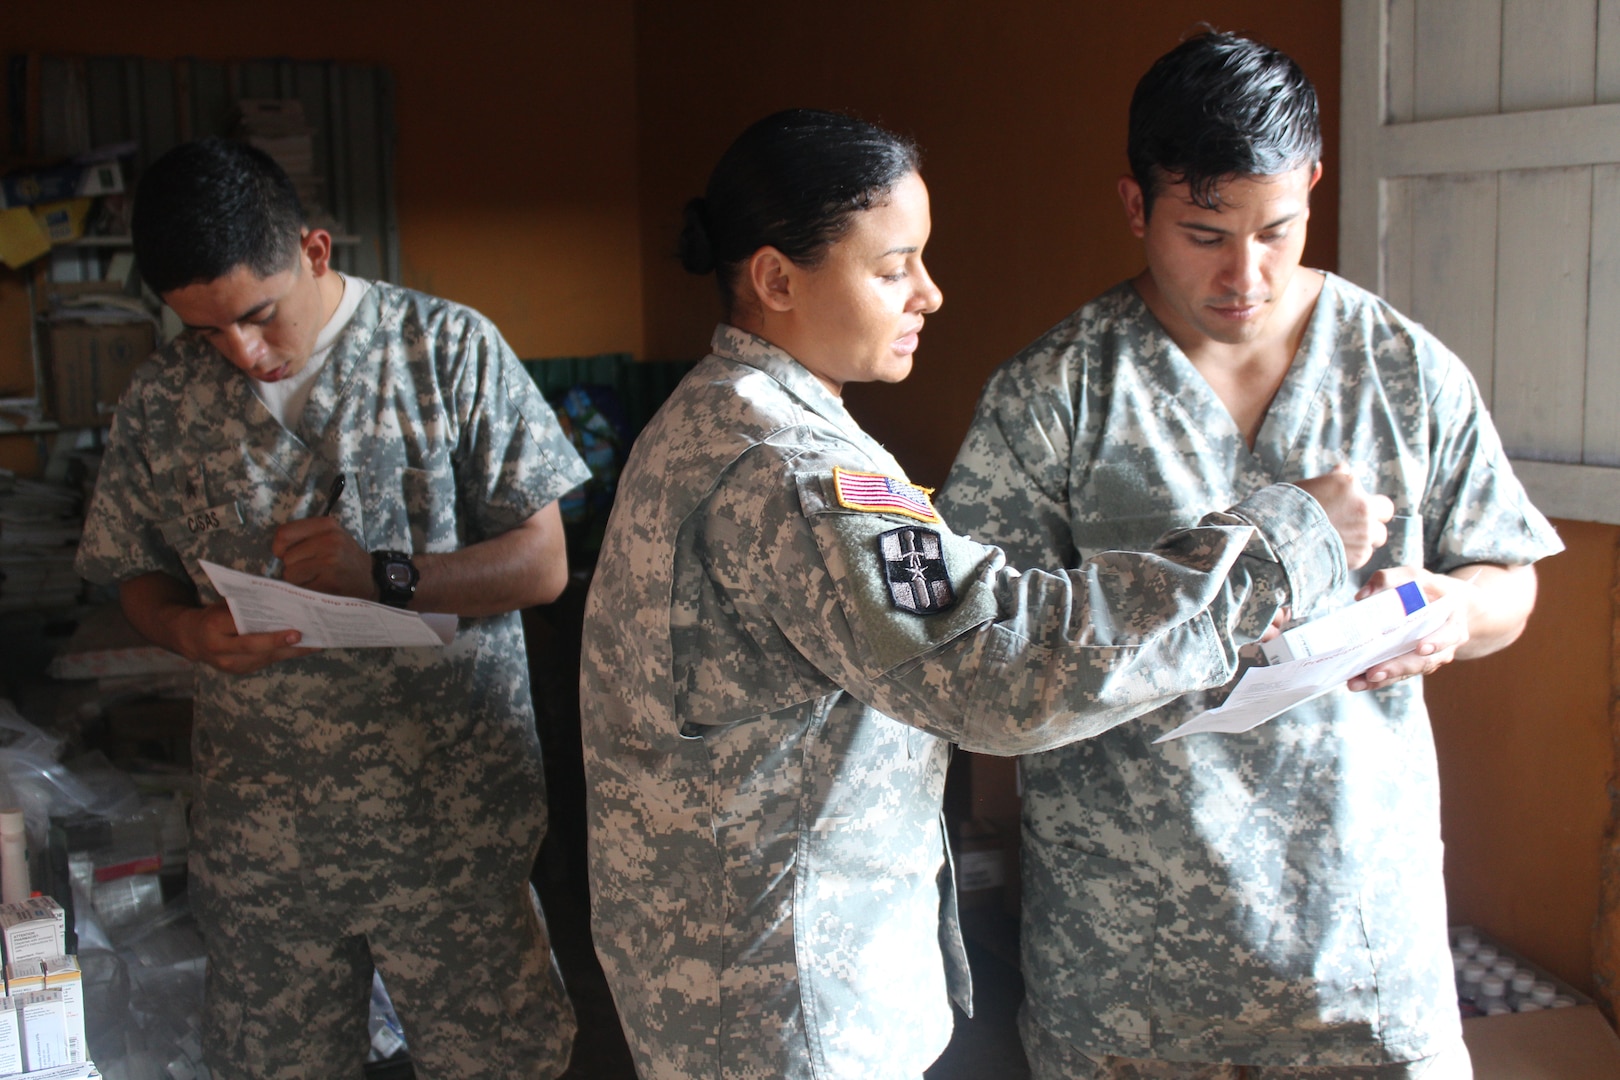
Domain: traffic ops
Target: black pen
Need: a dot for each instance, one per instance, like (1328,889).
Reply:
(335,494)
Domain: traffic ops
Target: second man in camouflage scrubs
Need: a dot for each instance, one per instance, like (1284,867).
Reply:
(1271,899)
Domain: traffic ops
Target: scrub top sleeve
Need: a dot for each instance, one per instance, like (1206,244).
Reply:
(512,458)
(1474,508)
(122,537)
(1010,483)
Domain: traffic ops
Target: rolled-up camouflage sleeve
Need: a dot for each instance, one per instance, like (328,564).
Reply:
(512,457)
(1013,662)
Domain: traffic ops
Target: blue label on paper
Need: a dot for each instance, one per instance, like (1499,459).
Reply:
(1411,596)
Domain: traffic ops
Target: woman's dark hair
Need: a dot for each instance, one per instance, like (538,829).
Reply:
(207,207)
(1219,106)
(793,181)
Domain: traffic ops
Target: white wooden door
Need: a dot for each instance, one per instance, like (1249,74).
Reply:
(1481,195)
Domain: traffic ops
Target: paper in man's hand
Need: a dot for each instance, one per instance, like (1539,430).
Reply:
(1266,692)
(263,605)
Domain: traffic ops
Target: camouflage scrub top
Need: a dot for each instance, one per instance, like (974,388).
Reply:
(1273,897)
(351,761)
(770,681)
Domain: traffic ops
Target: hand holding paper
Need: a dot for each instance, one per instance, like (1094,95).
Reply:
(264,605)
(1265,692)
(1442,646)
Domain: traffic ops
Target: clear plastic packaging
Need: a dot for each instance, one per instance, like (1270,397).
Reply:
(146,1001)
(387,1034)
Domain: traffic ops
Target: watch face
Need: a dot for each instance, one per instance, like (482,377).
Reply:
(399,575)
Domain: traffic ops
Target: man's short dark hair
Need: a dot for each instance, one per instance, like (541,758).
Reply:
(207,207)
(1219,106)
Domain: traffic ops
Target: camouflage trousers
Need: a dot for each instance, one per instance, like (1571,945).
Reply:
(1051,1058)
(472,979)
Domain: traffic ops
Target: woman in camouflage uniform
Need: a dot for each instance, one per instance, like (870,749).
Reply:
(783,639)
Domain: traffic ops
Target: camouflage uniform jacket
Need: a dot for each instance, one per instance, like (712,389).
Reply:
(766,729)
(349,769)
(1273,897)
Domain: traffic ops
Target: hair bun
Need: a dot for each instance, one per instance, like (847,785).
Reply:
(695,249)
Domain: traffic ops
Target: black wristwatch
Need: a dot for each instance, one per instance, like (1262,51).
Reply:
(396,577)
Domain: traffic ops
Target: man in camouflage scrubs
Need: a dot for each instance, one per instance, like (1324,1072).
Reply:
(354,806)
(781,642)
(1272,900)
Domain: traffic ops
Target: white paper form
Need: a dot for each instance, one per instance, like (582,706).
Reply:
(1265,692)
(263,605)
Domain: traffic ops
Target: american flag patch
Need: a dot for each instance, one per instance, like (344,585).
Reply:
(884,494)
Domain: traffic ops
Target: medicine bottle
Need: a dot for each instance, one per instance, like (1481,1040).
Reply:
(14,886)
(1524,980)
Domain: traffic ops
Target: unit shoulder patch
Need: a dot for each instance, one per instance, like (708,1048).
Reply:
(884,494)
(914,565)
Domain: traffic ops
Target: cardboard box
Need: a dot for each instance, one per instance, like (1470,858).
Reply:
(82,1070)
(1554,1044)
(33,929)
(63,974)
(11,1061)
(90,365)
(24,978)
(44,1029)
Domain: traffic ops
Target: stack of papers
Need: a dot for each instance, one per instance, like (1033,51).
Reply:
(1265,692)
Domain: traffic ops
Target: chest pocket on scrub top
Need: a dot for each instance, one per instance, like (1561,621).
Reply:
(425,512)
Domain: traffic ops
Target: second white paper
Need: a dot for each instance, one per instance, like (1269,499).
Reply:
(1266,692)
(263,605)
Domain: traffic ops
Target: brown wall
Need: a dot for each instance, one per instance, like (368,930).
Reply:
(517,162)
(1020,110)
(1524,739)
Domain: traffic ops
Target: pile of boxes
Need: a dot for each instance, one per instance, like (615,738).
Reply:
(42,1015)
(278,127)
